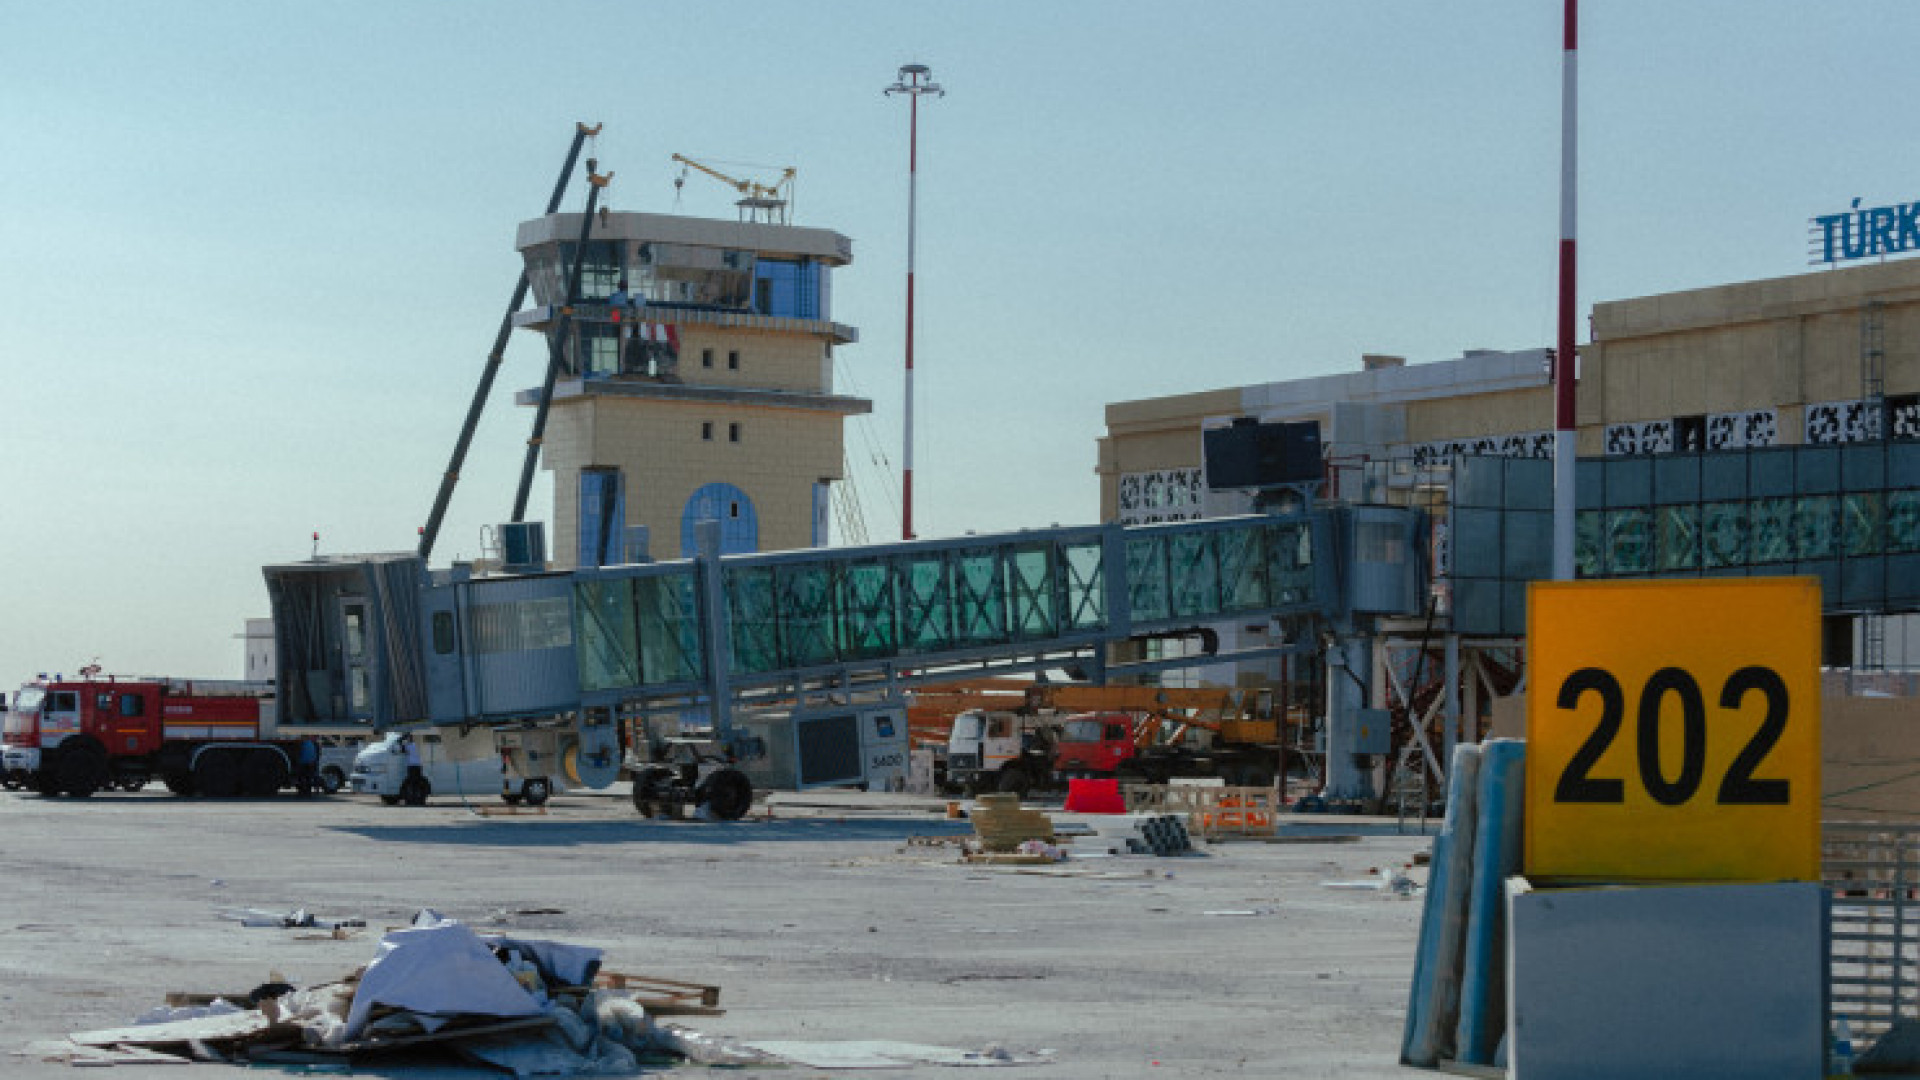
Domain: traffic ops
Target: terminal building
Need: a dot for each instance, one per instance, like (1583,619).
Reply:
(1761,428)
(709,394)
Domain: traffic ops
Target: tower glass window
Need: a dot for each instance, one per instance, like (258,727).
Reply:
(599,273)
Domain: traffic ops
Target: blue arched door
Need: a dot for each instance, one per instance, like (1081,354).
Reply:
(739,525)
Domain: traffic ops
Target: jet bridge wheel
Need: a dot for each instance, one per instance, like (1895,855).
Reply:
(727,794)
(653,791)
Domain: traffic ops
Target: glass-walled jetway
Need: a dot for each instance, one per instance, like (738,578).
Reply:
(498,648)
(1847,515)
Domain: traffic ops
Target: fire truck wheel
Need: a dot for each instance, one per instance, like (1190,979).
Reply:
(332,780)
(727,794)
(44,783)
(179,783)
(262,774)
(82,767)
(536,791)
(217,774)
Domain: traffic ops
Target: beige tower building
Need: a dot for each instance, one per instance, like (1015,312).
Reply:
(697,382)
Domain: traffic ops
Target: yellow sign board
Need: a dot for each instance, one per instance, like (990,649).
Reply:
(1673,730)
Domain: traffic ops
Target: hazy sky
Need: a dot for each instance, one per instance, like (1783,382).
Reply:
(254,253)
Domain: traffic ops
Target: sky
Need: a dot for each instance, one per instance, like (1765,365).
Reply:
(254,254)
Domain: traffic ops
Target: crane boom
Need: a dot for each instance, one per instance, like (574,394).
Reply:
(755,197)
(431,530)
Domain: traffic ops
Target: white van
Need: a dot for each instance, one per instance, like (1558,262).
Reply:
(381,769)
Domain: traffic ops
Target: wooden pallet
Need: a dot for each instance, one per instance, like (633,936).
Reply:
(664,997)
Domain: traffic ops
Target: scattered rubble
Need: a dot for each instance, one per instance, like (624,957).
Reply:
(525,1006)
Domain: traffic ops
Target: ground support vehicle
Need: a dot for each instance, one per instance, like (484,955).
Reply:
(1144,734)
(678,770)
(478,763)
(1153,749)
(199,737)
(1001,751)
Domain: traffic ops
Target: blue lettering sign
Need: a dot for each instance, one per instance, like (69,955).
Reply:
(1864,233)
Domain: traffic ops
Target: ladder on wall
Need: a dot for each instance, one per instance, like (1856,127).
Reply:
(1873,401)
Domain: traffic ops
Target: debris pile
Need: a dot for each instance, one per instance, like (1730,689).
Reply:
(526,1006)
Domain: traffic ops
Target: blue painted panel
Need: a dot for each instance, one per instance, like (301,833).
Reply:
(739,523)
(1622,982)
(1864,467)
(1477,481)
(1818,469)
(1589,484)
(1723,477)
(1770,472)
(1475,542)
(1629,481)
(1676,479)
(1529,483)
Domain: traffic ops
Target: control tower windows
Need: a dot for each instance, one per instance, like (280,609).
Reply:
(599,273)
(792,289)
(733,360)
(733,432)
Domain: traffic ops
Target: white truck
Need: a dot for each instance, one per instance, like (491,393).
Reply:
(449,765)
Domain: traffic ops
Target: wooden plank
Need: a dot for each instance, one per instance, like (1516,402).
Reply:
(675,989)
(231,1027)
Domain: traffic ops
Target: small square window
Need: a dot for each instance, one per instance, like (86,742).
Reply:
(733,432)
(706,430)
(733,509)
(706,357)
(733,360)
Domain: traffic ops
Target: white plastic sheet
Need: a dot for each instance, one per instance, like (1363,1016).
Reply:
(443,970)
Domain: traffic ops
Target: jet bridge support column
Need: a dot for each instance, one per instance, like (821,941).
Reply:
(714,629)
(1349,668)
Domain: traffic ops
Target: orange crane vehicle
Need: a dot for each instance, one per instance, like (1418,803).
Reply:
(1017,737)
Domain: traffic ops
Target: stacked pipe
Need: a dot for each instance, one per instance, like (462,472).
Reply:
(1138,834)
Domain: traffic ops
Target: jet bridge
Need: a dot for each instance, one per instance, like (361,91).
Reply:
(384,641)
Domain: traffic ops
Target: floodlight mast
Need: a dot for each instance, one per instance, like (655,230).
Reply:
(914,80)
(1564,368)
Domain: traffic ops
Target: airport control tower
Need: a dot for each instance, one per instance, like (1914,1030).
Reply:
(704,390)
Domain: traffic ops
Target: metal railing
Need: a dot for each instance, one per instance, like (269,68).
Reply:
(1873,872)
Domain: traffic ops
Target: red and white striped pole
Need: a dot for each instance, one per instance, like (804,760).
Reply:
(1564,449)
(913,81)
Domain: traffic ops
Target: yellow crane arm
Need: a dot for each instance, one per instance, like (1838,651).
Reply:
(741,186)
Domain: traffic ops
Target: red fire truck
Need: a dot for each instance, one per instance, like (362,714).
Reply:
(198,736)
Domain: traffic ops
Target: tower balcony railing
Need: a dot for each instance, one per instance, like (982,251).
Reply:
(542,316)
